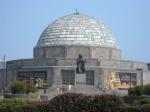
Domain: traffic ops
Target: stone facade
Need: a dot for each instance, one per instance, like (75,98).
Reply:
(54,67)
(74,51)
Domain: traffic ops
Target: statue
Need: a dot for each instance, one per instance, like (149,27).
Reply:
(80,64)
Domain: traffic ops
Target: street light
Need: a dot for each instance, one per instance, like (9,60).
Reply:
(3,73)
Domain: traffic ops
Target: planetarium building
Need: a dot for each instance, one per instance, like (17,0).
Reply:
(55,57)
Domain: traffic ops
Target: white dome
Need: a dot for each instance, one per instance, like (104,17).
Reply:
(77,30)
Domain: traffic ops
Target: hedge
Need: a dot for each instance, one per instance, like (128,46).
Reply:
(139,90)
(36,107)
(131,99)
(82,103)
(146,89)
(13,104)
(73,102)
(21,87)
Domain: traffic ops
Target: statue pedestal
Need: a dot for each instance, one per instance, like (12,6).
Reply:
(80,85)
(81,79)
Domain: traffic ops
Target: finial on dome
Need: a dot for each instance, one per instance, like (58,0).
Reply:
(76,11)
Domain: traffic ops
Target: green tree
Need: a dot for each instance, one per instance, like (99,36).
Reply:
(146,89)
(20,87)
(139,90)
(131,91)
(30,88)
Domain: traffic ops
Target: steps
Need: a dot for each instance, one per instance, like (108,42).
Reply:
(85,89)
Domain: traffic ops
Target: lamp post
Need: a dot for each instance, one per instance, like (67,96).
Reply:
(3,72)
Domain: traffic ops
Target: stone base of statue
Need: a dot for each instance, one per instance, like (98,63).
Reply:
(81,79)
(80,85)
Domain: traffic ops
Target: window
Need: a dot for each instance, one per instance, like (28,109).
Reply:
(39,78)
(68,77)
(90,77)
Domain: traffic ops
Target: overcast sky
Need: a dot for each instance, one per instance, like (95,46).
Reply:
(22,22)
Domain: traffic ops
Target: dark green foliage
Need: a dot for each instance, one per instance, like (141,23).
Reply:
(20,87)
(15,103)
(11,105)
(72,102)
(142,101)
(146,89)
(133,99)
(36,107)
(4,107)
(138,90)
(68,102)
(28,108)
(82,103)
(143,108)
(131,92)
(106,103)
(30,88)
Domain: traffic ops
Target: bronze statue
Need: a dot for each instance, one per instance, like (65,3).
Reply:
(80,64)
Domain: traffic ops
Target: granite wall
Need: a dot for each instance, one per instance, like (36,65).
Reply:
(74,51)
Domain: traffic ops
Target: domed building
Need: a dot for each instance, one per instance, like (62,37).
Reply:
(54,63)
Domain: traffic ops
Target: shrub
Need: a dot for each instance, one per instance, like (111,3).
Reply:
(82,103)
(138,90)
(27,108)
(20,87)
(15,103)
(36,107)
(146,89)
(4,109)
(142,101)
(131,92)
(69,102)
(144,108)
(133,99)
(30,88)
(106,103)
(17,87)
(3,106)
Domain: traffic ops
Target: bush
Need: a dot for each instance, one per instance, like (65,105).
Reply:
(13,104)
(143,108)
(36,107)
(131,92)
(142,101)
(69,102)
(20,87)
(133,99)
(138,90)
(4,109)
(106,103)
(30,88)
(82,103)
(146,89)
(72,102)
